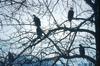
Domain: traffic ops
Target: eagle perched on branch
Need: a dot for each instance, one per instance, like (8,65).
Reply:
(70,14)
(81,50)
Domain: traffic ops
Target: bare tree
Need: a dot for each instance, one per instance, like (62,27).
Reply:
(59,42)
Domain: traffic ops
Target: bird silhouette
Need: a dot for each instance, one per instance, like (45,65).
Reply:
(81,50)
(70,15)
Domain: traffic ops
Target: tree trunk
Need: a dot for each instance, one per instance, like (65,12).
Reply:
(97,25)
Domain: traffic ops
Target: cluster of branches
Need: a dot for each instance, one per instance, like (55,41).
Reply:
(64,46)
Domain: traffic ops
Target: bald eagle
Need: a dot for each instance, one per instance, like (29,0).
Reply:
(70,14)
(81,50)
